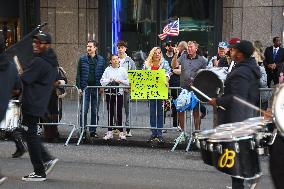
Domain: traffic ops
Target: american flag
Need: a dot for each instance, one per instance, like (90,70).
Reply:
(171,29)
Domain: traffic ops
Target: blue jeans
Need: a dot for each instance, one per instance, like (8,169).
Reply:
(94,96)
(156,117)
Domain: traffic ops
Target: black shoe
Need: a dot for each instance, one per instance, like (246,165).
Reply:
(19,153)
(2,179)
(94,135)
(49,165)
(152,138)
(160,139)
(34,177)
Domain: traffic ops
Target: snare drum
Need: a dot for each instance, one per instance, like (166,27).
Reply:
(234,153)
(11,120)
(201,142)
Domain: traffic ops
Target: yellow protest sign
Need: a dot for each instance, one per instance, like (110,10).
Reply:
(148,84)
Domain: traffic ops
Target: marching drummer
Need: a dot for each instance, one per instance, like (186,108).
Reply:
(276,158)
(8,73)
(16,133)
(243,82)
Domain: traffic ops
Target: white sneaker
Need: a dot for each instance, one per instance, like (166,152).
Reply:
(128,134)
(39,130)
(122,136)
(109,135)
(2,179)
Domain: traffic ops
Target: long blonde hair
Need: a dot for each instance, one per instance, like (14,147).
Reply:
(149,60)
(259,57)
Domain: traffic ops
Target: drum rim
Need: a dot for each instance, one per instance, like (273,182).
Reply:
(274,104)
(234,139)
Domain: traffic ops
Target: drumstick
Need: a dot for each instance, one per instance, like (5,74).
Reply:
(18,64)
(252,106)
(205,96)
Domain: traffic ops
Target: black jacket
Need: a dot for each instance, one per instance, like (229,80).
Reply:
(8,75)
(268,53)
(242,82)
(38,81)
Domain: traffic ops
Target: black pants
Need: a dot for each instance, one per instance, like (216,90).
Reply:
(272,76)
(237,183)
(174,94)
(114,104)
(277,162)
(38,153)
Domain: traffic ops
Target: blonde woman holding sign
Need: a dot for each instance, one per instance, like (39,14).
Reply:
(155,61)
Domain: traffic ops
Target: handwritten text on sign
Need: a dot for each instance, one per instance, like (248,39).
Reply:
(148,84)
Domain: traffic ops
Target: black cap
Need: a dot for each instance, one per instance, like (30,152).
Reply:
(43,37)
(244,46)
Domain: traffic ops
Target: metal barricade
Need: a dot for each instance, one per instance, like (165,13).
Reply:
(139,114)
(265,97)
(70,111)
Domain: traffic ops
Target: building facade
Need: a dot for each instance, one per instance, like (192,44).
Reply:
(253,20)
(73,22)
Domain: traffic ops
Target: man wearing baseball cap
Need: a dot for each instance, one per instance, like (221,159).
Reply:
(38,80)
(232,41)
(242,82)
(220,59)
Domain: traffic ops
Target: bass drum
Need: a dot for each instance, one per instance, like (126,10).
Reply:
(208,82)
(278,108)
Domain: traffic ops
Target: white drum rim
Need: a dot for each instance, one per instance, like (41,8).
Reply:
(275,105)
(233,139)
(230,136)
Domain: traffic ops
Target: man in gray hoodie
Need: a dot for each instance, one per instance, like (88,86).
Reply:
(126,62)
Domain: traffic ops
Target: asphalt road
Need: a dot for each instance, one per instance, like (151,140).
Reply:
(119,167)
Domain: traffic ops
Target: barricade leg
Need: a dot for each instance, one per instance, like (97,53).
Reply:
(183,134)
(192,126)
(81,136)
(70,135)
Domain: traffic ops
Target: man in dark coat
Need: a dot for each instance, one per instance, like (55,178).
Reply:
(242,82)
(8,75)
(38,81)
(90,69)
(274,60)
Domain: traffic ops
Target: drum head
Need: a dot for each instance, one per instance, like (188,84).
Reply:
(209,83)
(257,120)
(205,134)
(229,136)
(278,108)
